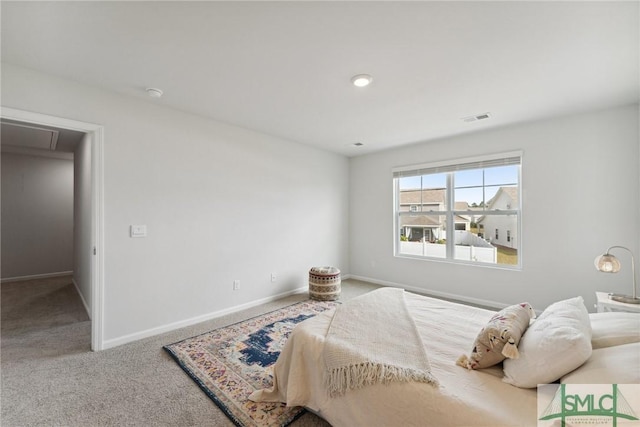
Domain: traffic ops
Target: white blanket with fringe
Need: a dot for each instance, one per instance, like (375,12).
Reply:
(373,339)
(463,397)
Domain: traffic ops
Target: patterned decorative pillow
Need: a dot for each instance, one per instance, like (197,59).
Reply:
(499,338)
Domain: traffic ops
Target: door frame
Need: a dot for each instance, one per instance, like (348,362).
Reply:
(97,207)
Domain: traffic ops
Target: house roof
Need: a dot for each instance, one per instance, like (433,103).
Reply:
(461,206)
(420,220)
(427,220)
(417,196)
(427,197)
(511,192)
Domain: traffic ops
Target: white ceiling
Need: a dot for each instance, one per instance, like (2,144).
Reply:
(284,68)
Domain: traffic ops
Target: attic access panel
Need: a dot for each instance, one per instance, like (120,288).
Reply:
(28,136)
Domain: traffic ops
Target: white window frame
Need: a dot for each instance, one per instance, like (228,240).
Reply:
(450,166)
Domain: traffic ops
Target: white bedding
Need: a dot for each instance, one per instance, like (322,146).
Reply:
(463,398)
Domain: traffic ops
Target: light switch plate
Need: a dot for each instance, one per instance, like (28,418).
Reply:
(138,231)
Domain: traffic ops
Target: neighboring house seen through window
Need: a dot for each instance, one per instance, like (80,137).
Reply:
(443,209)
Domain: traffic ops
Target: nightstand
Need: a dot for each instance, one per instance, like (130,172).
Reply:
(605,304)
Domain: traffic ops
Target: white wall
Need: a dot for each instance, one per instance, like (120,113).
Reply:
(209,193)
(37,215)
(580,190)
(83,243)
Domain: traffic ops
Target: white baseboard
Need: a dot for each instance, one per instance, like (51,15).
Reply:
(84,302)
(436,294)
(36,276)
(115,342)
(194,320)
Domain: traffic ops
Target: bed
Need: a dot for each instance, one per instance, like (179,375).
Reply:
(462,397)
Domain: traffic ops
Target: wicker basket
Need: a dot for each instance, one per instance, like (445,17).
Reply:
(324,283)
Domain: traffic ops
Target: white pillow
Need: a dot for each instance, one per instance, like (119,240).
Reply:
(610,365)
(554,345)
(614,328)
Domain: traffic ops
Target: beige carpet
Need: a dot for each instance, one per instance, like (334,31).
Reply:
(50,376)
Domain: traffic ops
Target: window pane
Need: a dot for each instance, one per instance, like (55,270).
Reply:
(479,187)
(471,247)
(468,178)
(423,193)
(468,198)
(501,175)
(423,235)
(423,181)
(421,201)
(438,180)
(474,249)
(499,231)
(503,198)
(410,182)
(492,254)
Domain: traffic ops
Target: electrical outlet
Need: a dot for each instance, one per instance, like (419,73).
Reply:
(236,285)
(274,277)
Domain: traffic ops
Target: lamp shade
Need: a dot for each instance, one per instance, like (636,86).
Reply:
(607,263)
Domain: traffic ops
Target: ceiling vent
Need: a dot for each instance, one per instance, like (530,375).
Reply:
(475,118)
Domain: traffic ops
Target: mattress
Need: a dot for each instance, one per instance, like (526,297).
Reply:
(462,398)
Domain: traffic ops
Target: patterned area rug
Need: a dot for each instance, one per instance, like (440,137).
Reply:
(232,362)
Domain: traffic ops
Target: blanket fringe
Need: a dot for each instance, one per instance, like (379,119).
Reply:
(339,380)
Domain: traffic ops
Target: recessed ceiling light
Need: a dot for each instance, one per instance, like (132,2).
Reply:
(361,80)
(154,92)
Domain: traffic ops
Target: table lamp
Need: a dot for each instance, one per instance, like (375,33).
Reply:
(608,263)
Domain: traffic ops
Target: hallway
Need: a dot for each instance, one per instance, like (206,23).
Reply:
(42,318)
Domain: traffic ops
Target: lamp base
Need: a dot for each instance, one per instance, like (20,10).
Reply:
(627,299)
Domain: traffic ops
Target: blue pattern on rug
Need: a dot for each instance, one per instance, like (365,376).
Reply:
(232,362)
(262,346)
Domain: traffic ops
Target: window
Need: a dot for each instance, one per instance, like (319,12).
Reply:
(442,210)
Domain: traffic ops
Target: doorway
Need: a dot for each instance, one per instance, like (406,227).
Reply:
(91,256)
